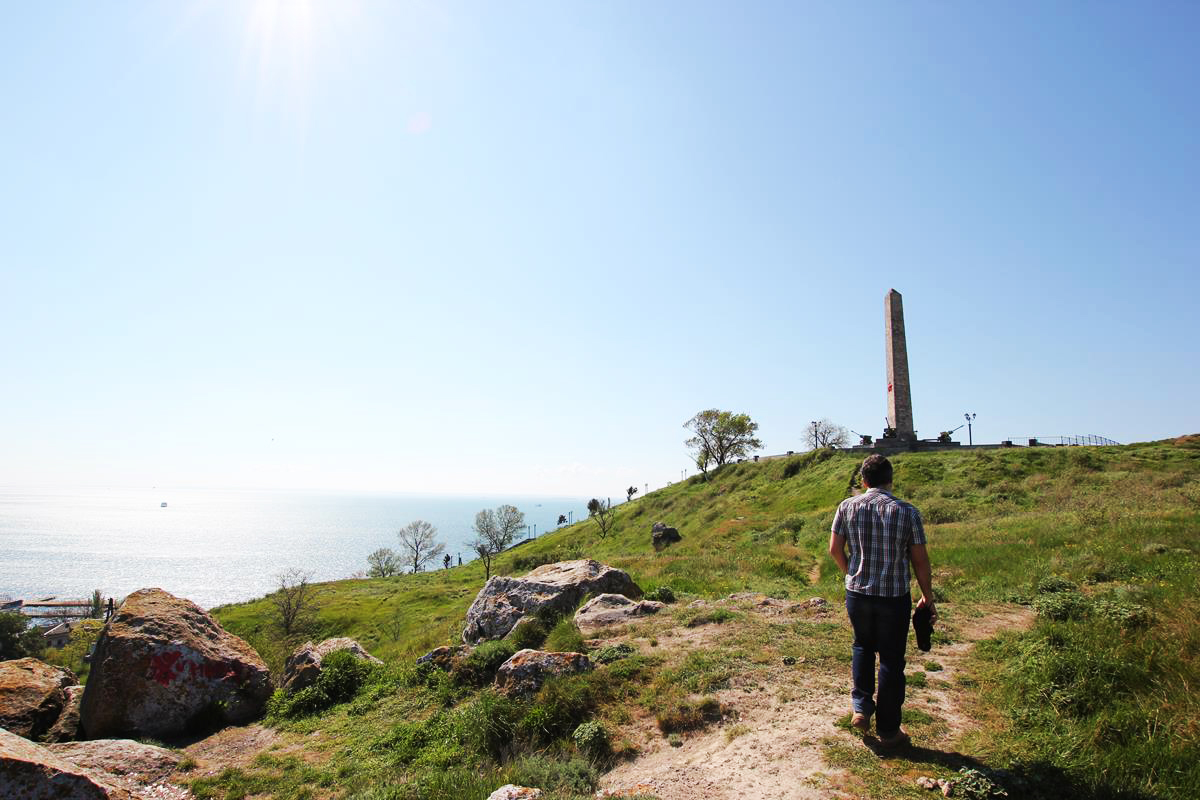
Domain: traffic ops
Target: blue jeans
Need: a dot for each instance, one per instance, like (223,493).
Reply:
(880,627)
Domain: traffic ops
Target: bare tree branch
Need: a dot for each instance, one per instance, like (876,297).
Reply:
(418,544)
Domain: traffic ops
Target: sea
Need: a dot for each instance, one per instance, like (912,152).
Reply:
(219,547)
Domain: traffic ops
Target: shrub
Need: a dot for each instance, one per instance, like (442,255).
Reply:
(1062,606)
(488,724)
(592,740)
(479,668)
(613,652)
(528,633)
(574,776)
(565,638)
(559,707)
(1053,584)
(975,785)
(688,716)
(342,675)
(662,594)
(1125,614)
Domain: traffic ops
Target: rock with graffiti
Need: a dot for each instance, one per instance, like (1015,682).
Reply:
(164,667)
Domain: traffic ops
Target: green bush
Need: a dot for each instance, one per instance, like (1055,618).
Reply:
(592,740)
(1062,606)
(565,638)
(1054,584)
(661,594)
(975,785)
(528,634)
(559,707)
(479,668)
(613,652)
(574,775)
(1125,614)
(342,675)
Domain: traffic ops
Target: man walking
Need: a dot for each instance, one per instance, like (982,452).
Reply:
(883,535)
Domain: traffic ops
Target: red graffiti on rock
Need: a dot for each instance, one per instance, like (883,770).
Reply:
(168,666)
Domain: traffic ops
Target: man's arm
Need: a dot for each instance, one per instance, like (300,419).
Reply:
(837,551)
(920,562)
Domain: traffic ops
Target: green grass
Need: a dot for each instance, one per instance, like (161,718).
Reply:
(1096,700)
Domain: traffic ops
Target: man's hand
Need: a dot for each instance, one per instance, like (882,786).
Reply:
(925,602)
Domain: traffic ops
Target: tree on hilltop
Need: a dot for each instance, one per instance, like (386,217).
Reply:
(824,433)
(383,563)
(629,493)
(295,600)
(494,532)
(720,437)
(603,512)
(418,544)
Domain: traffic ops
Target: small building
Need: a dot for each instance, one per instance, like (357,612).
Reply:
(58,636)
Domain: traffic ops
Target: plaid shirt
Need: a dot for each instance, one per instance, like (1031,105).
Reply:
(880,530)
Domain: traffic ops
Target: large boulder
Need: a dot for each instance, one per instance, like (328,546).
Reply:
(66,729)
(145,763)
(32,696)
(513,792)
(31,772)
(527,670)
(559,587)
(662,536)
(163,666)
(303,666)
(614,609)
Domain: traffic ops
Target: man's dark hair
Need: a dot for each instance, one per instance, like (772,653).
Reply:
(876,471)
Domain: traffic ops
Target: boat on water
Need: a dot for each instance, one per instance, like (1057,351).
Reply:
(163,504)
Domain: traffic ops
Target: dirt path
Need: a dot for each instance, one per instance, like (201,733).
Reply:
(773,750)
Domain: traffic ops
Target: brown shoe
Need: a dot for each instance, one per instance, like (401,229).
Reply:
(897,739)
(861,721)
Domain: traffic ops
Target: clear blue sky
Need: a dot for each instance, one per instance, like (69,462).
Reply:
(512,247)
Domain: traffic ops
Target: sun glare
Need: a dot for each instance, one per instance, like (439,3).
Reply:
(283,41)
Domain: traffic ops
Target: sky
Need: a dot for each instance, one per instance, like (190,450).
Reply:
(448,247)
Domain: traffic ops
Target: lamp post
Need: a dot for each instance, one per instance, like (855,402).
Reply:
(814,434)
(969,418)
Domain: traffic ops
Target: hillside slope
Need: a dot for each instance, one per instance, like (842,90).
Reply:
(1102,542)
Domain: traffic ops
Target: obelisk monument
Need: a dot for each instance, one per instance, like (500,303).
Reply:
(899,398)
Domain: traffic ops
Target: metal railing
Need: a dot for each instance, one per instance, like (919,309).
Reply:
(1086,440)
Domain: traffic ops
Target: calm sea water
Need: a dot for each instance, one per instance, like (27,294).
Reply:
(216,547)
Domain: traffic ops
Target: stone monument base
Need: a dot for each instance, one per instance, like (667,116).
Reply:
(891,445)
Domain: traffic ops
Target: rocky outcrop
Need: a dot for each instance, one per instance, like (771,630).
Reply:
(559,587)
(444,658)
(304,664)
(662,536)
(32,696)
(66,728)
(31,772)
(614,609)
(527,670)
(144,763)
(514,792)
(163,666)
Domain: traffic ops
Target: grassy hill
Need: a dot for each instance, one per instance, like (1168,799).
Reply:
(1094,700)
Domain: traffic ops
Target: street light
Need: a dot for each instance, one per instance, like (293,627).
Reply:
(969,418)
